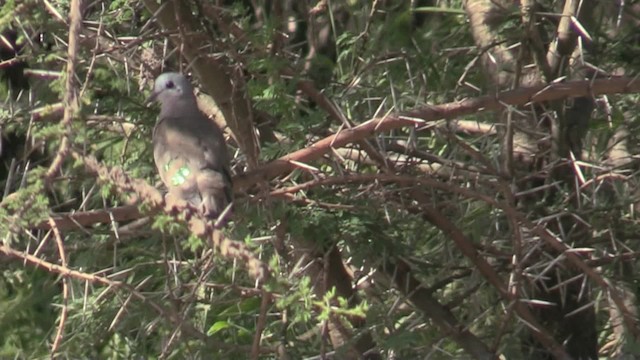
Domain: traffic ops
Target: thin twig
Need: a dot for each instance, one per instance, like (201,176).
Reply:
(65,290)
(260,324)
(70,273)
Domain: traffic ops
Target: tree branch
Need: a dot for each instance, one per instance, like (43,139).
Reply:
(423,115)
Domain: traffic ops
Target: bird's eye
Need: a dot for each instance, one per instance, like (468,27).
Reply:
(170,84)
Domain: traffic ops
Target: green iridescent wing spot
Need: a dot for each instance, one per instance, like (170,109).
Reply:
(180,177)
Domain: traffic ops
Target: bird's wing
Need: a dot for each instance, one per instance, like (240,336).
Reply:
(192,160)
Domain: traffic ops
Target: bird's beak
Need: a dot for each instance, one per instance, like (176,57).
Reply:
(151,99)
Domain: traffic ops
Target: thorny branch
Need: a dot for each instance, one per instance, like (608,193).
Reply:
(197,225)
(117,285)
(71,102)
(424,115)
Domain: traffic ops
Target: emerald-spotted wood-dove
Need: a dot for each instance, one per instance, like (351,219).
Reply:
(189,149)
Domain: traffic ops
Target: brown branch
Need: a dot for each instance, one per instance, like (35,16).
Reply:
(325,266)
(536,45)
(65,290)
(465,246)
(387,178)
(306,86)
(67,272)
(468,250)
(260,324)
(578,263)
(48,112)
(421,297)
(426,114)
(71,104)
(485,16)
(81,219)
(419,116)
(566,39)
(197,224)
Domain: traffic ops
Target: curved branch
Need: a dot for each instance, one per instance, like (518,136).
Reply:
(423,115)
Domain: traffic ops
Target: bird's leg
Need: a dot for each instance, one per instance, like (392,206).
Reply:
(224,216)
(203,210)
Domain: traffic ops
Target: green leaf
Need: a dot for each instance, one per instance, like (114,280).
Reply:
(217,327)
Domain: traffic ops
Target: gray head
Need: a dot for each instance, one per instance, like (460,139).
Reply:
(171,87)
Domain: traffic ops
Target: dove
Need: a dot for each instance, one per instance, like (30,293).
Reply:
(189,149)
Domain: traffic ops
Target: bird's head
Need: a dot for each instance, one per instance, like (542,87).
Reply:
(170,87)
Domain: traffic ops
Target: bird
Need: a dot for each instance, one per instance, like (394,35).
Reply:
(189,149)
